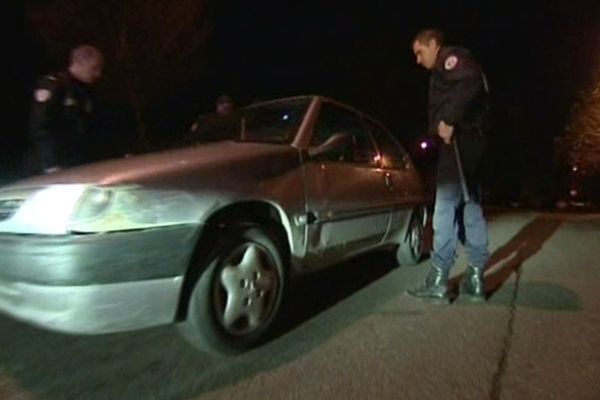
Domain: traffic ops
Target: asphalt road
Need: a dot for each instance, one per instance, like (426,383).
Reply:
(352,334)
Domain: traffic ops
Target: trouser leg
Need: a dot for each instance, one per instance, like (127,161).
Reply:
(477,252)
(445,240)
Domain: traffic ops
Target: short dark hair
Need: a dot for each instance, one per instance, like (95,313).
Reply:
(224,98)
(86,53)
(425,35)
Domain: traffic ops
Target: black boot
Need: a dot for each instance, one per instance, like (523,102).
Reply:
(435,286)
(471,288)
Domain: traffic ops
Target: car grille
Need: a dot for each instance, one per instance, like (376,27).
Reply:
(9,207)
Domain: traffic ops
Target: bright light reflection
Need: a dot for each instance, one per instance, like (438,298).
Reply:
(47,211)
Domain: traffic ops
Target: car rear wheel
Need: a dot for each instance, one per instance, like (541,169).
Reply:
(239,295)
(410,248)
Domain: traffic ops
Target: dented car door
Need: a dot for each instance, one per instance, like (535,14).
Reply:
(347,200)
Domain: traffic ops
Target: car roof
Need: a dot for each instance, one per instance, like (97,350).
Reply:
(307,97)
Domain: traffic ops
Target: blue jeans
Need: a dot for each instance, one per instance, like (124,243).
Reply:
(448,200)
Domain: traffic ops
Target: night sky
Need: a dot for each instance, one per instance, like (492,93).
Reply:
(537,55)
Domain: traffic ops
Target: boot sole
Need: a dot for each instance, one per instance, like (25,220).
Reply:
(432,300)
(465,298)
(437,302)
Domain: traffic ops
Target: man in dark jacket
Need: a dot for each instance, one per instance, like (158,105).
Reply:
(457,115)
(62,111)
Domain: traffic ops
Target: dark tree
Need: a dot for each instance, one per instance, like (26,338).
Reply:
(152,47)
(579,150)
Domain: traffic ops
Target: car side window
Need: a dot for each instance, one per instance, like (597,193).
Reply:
(392,155)
(337,120)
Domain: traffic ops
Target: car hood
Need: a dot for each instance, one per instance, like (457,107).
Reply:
(224,158)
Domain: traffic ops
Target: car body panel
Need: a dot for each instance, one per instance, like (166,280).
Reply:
(93,309)
(349,214)
(154,208)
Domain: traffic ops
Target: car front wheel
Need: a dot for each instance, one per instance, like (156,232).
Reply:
(239,295)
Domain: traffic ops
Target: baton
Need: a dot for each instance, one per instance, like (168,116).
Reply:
(461,173)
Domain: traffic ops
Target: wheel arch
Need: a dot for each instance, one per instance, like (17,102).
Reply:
(248,213)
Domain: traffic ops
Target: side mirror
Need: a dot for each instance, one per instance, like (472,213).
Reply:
(338,142)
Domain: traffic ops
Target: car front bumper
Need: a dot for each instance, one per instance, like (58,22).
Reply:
(91,284)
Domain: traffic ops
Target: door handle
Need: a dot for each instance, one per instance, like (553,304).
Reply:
(308,218)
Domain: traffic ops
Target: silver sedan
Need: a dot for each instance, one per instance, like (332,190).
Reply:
(208,233)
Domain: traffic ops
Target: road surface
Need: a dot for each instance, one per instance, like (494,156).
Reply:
(353,334)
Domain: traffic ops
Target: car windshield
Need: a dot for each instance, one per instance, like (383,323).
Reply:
(273,122)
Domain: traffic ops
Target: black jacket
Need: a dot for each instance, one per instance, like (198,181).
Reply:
(60,122)
(458,96)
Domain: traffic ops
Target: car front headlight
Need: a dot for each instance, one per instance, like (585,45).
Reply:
(43,211)
(92,204)
(64,209)
(109,209)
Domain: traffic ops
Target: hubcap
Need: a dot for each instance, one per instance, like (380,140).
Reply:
(247,290)
(416,239)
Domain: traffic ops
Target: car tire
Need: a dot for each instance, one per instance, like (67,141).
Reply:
(410,248)
(239,295)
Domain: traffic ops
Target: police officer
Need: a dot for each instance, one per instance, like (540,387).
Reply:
(62,110)
(457,116)
(224,105)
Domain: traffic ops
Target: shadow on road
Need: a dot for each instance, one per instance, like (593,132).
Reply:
(319,291)
(538,295)
(508,259)
(158,364)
